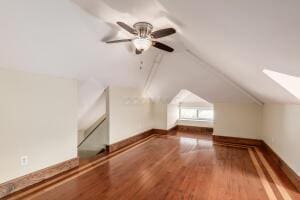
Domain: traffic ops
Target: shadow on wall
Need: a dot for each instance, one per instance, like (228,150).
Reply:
(94,134)
(95,139)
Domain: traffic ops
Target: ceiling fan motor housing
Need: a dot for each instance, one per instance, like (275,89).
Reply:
(143,36)
(143,29)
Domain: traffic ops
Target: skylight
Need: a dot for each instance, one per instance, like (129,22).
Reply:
(290,83)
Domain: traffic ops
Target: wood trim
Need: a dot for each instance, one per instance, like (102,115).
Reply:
(173,129)
(236,140)
(160,131)
(196,129)
(34,192)
(270,155)
(36,177)
(273,158)
(262,176)
(118,145)
(273,175)
(72,174)
(165,132)
(184,128)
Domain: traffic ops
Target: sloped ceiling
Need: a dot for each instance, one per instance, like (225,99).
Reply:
(241,38)
(193,99)
(221,46)
(183,71)
(187,98)
(57,37)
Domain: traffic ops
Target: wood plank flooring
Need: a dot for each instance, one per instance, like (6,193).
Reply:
(183,166)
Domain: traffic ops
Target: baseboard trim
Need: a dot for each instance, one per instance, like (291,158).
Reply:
(236,140)
(173,129)
(41,175)
(196,129)
(128,141)
(163,131)
(123,143)
(36,177)
(160,131)
(277,161)
(268,152)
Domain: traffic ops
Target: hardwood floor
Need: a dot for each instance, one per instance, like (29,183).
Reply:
(180,166)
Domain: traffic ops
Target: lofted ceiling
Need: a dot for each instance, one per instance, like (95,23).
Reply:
(59,38)
(192,98)
(241,38)
(221,47)
(183,71)
(187,98)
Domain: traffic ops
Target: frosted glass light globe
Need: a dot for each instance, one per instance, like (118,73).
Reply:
(142,44)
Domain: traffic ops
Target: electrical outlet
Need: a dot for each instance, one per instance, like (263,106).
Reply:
(24,160)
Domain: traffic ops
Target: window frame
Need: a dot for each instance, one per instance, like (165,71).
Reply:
(197,113)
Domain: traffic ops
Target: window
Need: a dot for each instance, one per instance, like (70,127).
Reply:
(205,114)
(196,113)
(188,113)
(290,83)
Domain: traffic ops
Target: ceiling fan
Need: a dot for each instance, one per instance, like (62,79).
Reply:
(144,36)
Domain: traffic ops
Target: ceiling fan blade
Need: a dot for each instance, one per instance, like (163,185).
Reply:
(163,33)
(138,51)
(162,46)
(127,28)
(117,41)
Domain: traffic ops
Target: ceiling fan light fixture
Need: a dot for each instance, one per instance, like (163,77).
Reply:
(142,44)
(143,36)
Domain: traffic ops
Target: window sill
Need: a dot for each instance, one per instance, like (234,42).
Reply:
(197,120)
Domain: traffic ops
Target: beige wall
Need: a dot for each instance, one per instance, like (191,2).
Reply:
(92,117)
(38,116)
(128,112)
(281,131)
(94,113)
(96,141)
(159,115)
(238,120)
(172,115)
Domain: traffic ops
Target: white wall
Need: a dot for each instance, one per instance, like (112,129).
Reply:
(128,112)
(238,120)
(281,131)
(38,116)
